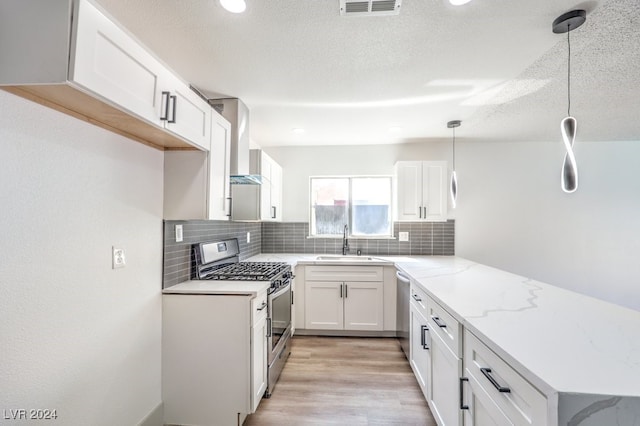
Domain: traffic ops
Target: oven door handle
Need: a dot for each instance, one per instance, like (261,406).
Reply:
(281,290)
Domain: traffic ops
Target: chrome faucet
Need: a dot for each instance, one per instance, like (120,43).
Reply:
(345,240)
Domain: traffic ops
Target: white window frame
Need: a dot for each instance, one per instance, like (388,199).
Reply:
(350,207)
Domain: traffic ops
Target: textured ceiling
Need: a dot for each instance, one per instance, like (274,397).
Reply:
(494,64)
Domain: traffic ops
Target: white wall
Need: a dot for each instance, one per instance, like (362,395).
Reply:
(511,211)
(75,335)
(299,163)
(513,215)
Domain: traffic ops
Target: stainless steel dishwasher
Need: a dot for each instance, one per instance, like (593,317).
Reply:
(402,311)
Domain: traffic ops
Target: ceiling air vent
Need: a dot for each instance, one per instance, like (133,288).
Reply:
(369,7)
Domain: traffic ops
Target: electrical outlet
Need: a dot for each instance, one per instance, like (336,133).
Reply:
(117,258)
(403,236)
(179,233)
(248,237)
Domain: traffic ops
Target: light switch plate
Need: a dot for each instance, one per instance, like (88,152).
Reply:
(403,236)
(248,237)
(117,258)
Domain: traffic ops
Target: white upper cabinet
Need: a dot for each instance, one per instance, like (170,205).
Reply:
(81,62)
(259,202)
(196,183)
(421,191)
(219,163)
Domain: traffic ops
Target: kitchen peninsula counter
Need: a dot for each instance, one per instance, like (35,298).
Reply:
(582,352)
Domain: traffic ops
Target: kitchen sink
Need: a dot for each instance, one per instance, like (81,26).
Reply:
(349,258)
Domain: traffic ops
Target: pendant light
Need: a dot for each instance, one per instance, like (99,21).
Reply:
(568,126)
(454,179)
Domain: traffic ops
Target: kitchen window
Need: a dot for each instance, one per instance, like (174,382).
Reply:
(361,202)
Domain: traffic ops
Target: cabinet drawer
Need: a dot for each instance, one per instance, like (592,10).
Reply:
(522,403)
(343,273)
(258,307)
(447,327)
(418,298)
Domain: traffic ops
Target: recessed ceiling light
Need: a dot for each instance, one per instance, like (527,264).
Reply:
(395,129)
(459,2)
(297,131)
(234,6)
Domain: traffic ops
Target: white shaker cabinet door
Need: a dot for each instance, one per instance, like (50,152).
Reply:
(420,346)
(109,62)
(363,305)
(409,176)
(446,370)
(219,160)
(187,115)
(258,362)
(324,309)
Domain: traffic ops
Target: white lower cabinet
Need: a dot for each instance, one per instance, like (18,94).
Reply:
(498,393)
(214,358)
(343,305)
(258,360)
(444,389)
(344,298)
(419,349)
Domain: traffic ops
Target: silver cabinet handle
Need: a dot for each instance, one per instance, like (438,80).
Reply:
(494,382)
(346,288)
(438,321)
(264,305)
(416,298)
(340,291)
(229,199)
(164,114)
(273,212)
(174,100)
(424,329)
(420,212)
(463,406)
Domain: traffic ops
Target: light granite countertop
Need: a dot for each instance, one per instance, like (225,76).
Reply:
(238,288)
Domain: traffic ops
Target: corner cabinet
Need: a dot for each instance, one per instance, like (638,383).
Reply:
(344,298)
(196,183)
(259,202)
(421,191)
(75,59)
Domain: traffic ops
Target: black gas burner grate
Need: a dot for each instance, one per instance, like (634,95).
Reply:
(248,271)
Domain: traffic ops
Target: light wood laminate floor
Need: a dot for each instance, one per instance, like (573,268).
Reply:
(344,381)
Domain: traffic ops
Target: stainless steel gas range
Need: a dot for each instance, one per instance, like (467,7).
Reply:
(220,261)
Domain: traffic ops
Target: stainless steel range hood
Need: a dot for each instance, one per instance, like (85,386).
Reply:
(234,110)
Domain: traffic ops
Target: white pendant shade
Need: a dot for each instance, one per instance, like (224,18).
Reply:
(234,6)
(569,176)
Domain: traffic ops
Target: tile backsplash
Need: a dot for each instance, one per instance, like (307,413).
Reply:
(178,257)
(425,238)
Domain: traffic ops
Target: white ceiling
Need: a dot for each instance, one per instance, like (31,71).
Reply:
(494,64)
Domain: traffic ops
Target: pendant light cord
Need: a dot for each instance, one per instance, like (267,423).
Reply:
(568,73)
(454,149)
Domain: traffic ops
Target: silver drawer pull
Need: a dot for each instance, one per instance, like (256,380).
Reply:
(487,374)
(264,305)
(416,298)
(438,322)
